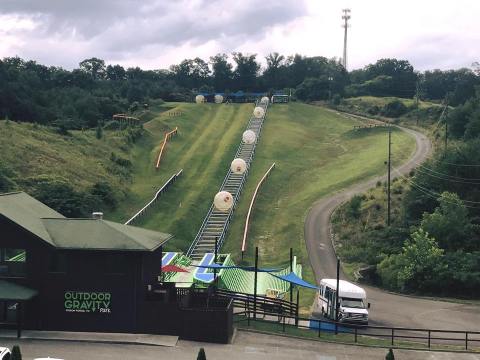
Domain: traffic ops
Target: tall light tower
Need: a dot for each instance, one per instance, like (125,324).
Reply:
(346,16)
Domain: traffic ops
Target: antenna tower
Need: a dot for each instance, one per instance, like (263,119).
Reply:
(346,16)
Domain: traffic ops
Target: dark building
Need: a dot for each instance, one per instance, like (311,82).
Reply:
(85,274)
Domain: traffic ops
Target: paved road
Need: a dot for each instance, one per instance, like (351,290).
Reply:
(246,346)
(387,309)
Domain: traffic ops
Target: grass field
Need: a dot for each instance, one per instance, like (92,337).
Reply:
(316,151)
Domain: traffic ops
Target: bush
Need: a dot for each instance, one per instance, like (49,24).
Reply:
(120,161)
(201,354)
(105,194)
(16,354)
(394,109)
(353,208)
(336,99)
(390,355)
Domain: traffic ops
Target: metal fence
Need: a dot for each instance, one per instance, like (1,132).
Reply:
(391,336)
(160,191)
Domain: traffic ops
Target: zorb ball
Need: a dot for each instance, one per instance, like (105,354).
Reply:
(258,112)
(264,100)
(238,166)
(223,201)
(199,99)
(218,99)
(249,137)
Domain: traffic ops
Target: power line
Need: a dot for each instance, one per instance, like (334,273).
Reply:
(433,194)
(448,176)
(419,169)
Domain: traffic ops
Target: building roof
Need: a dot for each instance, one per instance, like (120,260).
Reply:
(27,212)
(81,234)
(97,234)
(10,291)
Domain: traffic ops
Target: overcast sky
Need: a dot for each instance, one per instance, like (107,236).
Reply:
(154,34)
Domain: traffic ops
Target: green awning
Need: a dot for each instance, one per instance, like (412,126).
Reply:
(14,292)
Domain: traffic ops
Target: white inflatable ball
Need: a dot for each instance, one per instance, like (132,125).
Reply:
(258,112)
(223,201)
(264,100)
(249,137)
(238,166)
(199,99)
(218,99)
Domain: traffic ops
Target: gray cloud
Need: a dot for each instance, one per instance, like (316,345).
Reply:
(114,28)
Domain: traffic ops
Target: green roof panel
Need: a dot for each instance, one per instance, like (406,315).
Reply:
(27,212)
(94,234)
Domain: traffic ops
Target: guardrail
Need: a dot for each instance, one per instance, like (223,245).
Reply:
(125,117)
(247,220)
(395,336)
(270,306)
(155,198)
(168,135)
(370,126)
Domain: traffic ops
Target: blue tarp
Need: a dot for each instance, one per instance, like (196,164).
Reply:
(246,268)
(292,278)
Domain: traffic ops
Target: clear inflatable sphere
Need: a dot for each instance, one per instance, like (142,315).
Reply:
(218,99)
(223,201)
(199,99)
(249,137)
(238,166)
(264,100)
(258,112)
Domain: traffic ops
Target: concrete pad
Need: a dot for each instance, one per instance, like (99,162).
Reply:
(113,338)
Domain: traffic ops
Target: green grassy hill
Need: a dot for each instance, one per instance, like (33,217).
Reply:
(32,152)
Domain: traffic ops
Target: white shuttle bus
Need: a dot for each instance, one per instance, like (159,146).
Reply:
(353,301)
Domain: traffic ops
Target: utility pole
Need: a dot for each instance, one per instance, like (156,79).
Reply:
(337,298)
(389,172)
(447,99)
(346,16)
(417,97)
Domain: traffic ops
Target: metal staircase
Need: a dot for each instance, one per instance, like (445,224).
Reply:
(215,224)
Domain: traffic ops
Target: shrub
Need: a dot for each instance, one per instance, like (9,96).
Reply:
(201,354)
(354,205)
(105,194)
(16,354)
(120,161)
(394,109)
(390,355)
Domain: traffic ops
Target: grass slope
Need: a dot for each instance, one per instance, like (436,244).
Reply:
(208,136)
(80,158)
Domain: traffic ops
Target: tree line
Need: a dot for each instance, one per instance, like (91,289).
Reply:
(91,93)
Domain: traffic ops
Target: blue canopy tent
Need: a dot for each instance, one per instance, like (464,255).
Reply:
(292,278)
(245,268)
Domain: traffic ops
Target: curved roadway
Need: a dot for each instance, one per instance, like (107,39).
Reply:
(387,309)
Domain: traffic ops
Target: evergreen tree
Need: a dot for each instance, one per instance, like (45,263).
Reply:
(201,354)
(16,354)
(390,355)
